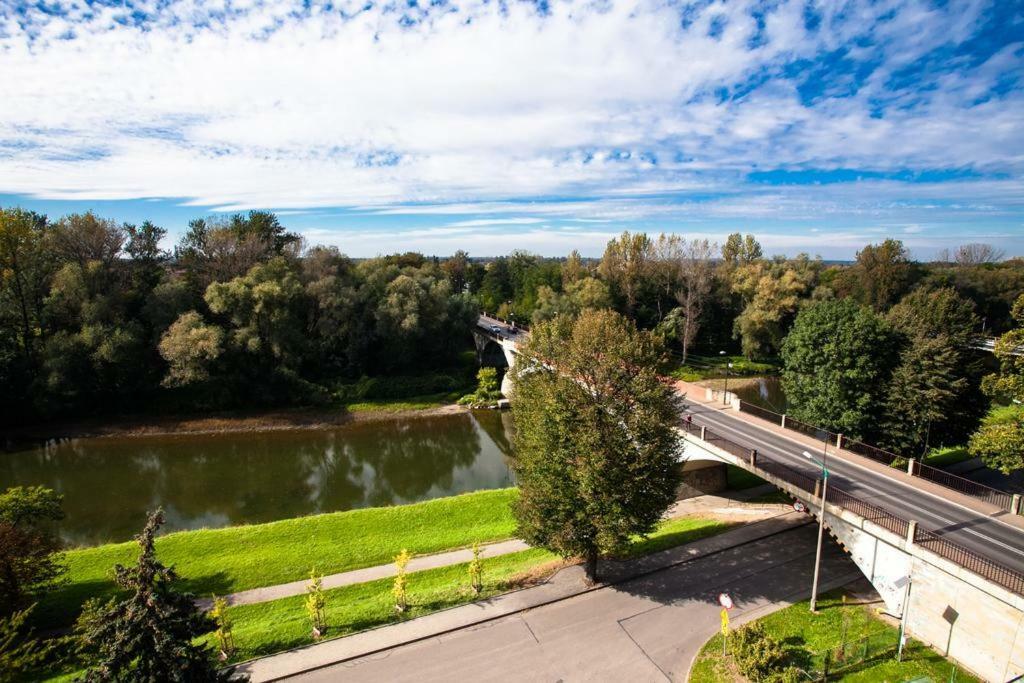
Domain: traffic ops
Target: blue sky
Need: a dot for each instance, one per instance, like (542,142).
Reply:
(549,126)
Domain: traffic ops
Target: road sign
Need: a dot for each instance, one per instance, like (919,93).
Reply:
(725,622)
(724,600)
(799,506)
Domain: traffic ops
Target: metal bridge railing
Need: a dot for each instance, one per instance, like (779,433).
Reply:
(952,481)
(1010,579)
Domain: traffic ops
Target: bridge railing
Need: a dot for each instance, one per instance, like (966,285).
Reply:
(952,481)
(1010,579)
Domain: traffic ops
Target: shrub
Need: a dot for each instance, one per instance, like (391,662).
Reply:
(398,590)
(476,570)
(315,604)
(759,656)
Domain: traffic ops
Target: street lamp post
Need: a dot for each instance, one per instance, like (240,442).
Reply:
(821,523)
(725,394)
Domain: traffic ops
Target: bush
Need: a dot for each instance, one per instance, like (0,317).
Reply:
(759,656)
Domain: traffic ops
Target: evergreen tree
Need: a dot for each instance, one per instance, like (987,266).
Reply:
(148,636)
(595,441)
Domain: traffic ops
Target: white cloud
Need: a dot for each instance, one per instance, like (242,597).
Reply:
(607,103)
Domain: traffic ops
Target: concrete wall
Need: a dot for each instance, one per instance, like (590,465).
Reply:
(971,620)
(701,477)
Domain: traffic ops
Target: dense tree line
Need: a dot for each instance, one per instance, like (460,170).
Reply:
(94,315)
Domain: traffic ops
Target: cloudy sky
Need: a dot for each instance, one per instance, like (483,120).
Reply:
(437,124)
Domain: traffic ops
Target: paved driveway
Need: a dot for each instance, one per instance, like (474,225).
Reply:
(645,629)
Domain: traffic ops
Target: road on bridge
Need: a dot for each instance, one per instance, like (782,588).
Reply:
(988,536)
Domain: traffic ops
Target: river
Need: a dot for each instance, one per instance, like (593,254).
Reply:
(217,480)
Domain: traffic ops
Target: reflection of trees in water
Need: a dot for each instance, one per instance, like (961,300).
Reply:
(498,425)
(412,456)
(110,484)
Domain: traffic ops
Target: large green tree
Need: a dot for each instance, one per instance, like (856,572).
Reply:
(596,446)
(1000,441)
(932,396)
(30,559)
(149,636)
(836,359)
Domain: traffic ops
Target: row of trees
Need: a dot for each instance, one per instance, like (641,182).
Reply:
(95,313)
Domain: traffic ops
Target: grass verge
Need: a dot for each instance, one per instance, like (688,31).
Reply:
(808,636)
(222,561)
(283,624)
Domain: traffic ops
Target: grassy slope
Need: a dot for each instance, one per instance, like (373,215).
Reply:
(282,624)
(800,629)
(279,625)
(227,560)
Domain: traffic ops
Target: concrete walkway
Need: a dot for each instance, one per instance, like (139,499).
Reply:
(565,584)
(728,509)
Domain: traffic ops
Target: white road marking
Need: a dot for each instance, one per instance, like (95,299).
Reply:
(934,516)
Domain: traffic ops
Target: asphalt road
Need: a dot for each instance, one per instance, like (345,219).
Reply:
(645,629)
(987,536)
(990,537)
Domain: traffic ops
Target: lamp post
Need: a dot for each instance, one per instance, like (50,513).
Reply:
(821,523)
(725,394)
(903,582)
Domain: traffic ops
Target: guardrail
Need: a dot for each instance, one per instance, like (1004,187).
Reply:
(1000,499)
(991,570)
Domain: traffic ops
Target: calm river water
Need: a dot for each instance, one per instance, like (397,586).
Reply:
(216,480)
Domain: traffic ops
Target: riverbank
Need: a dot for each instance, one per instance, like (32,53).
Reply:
(245,421)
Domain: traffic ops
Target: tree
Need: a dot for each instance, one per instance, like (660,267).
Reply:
(315,604)
(456,269)
(476,570)
(932,394)
(487,392)
(148,636)
(190,346)
(579,295)
(836,359)
(30,561)
(696,277)
(626,264)
(881,275)
(400,586)
(595,440)
(573,268)
(1000,441)
(20,652)
(771,293)
(977,253)
(739,250)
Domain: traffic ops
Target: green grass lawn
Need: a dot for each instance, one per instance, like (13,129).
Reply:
(700,367)
(279,625)
(738,479)
(397,405)
(222,561)
(944,457)
(807,636)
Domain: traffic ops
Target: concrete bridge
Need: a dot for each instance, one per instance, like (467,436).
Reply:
(961,546)
(497,346)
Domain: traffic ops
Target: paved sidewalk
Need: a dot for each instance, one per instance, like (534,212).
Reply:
(727,508)
(566,583)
